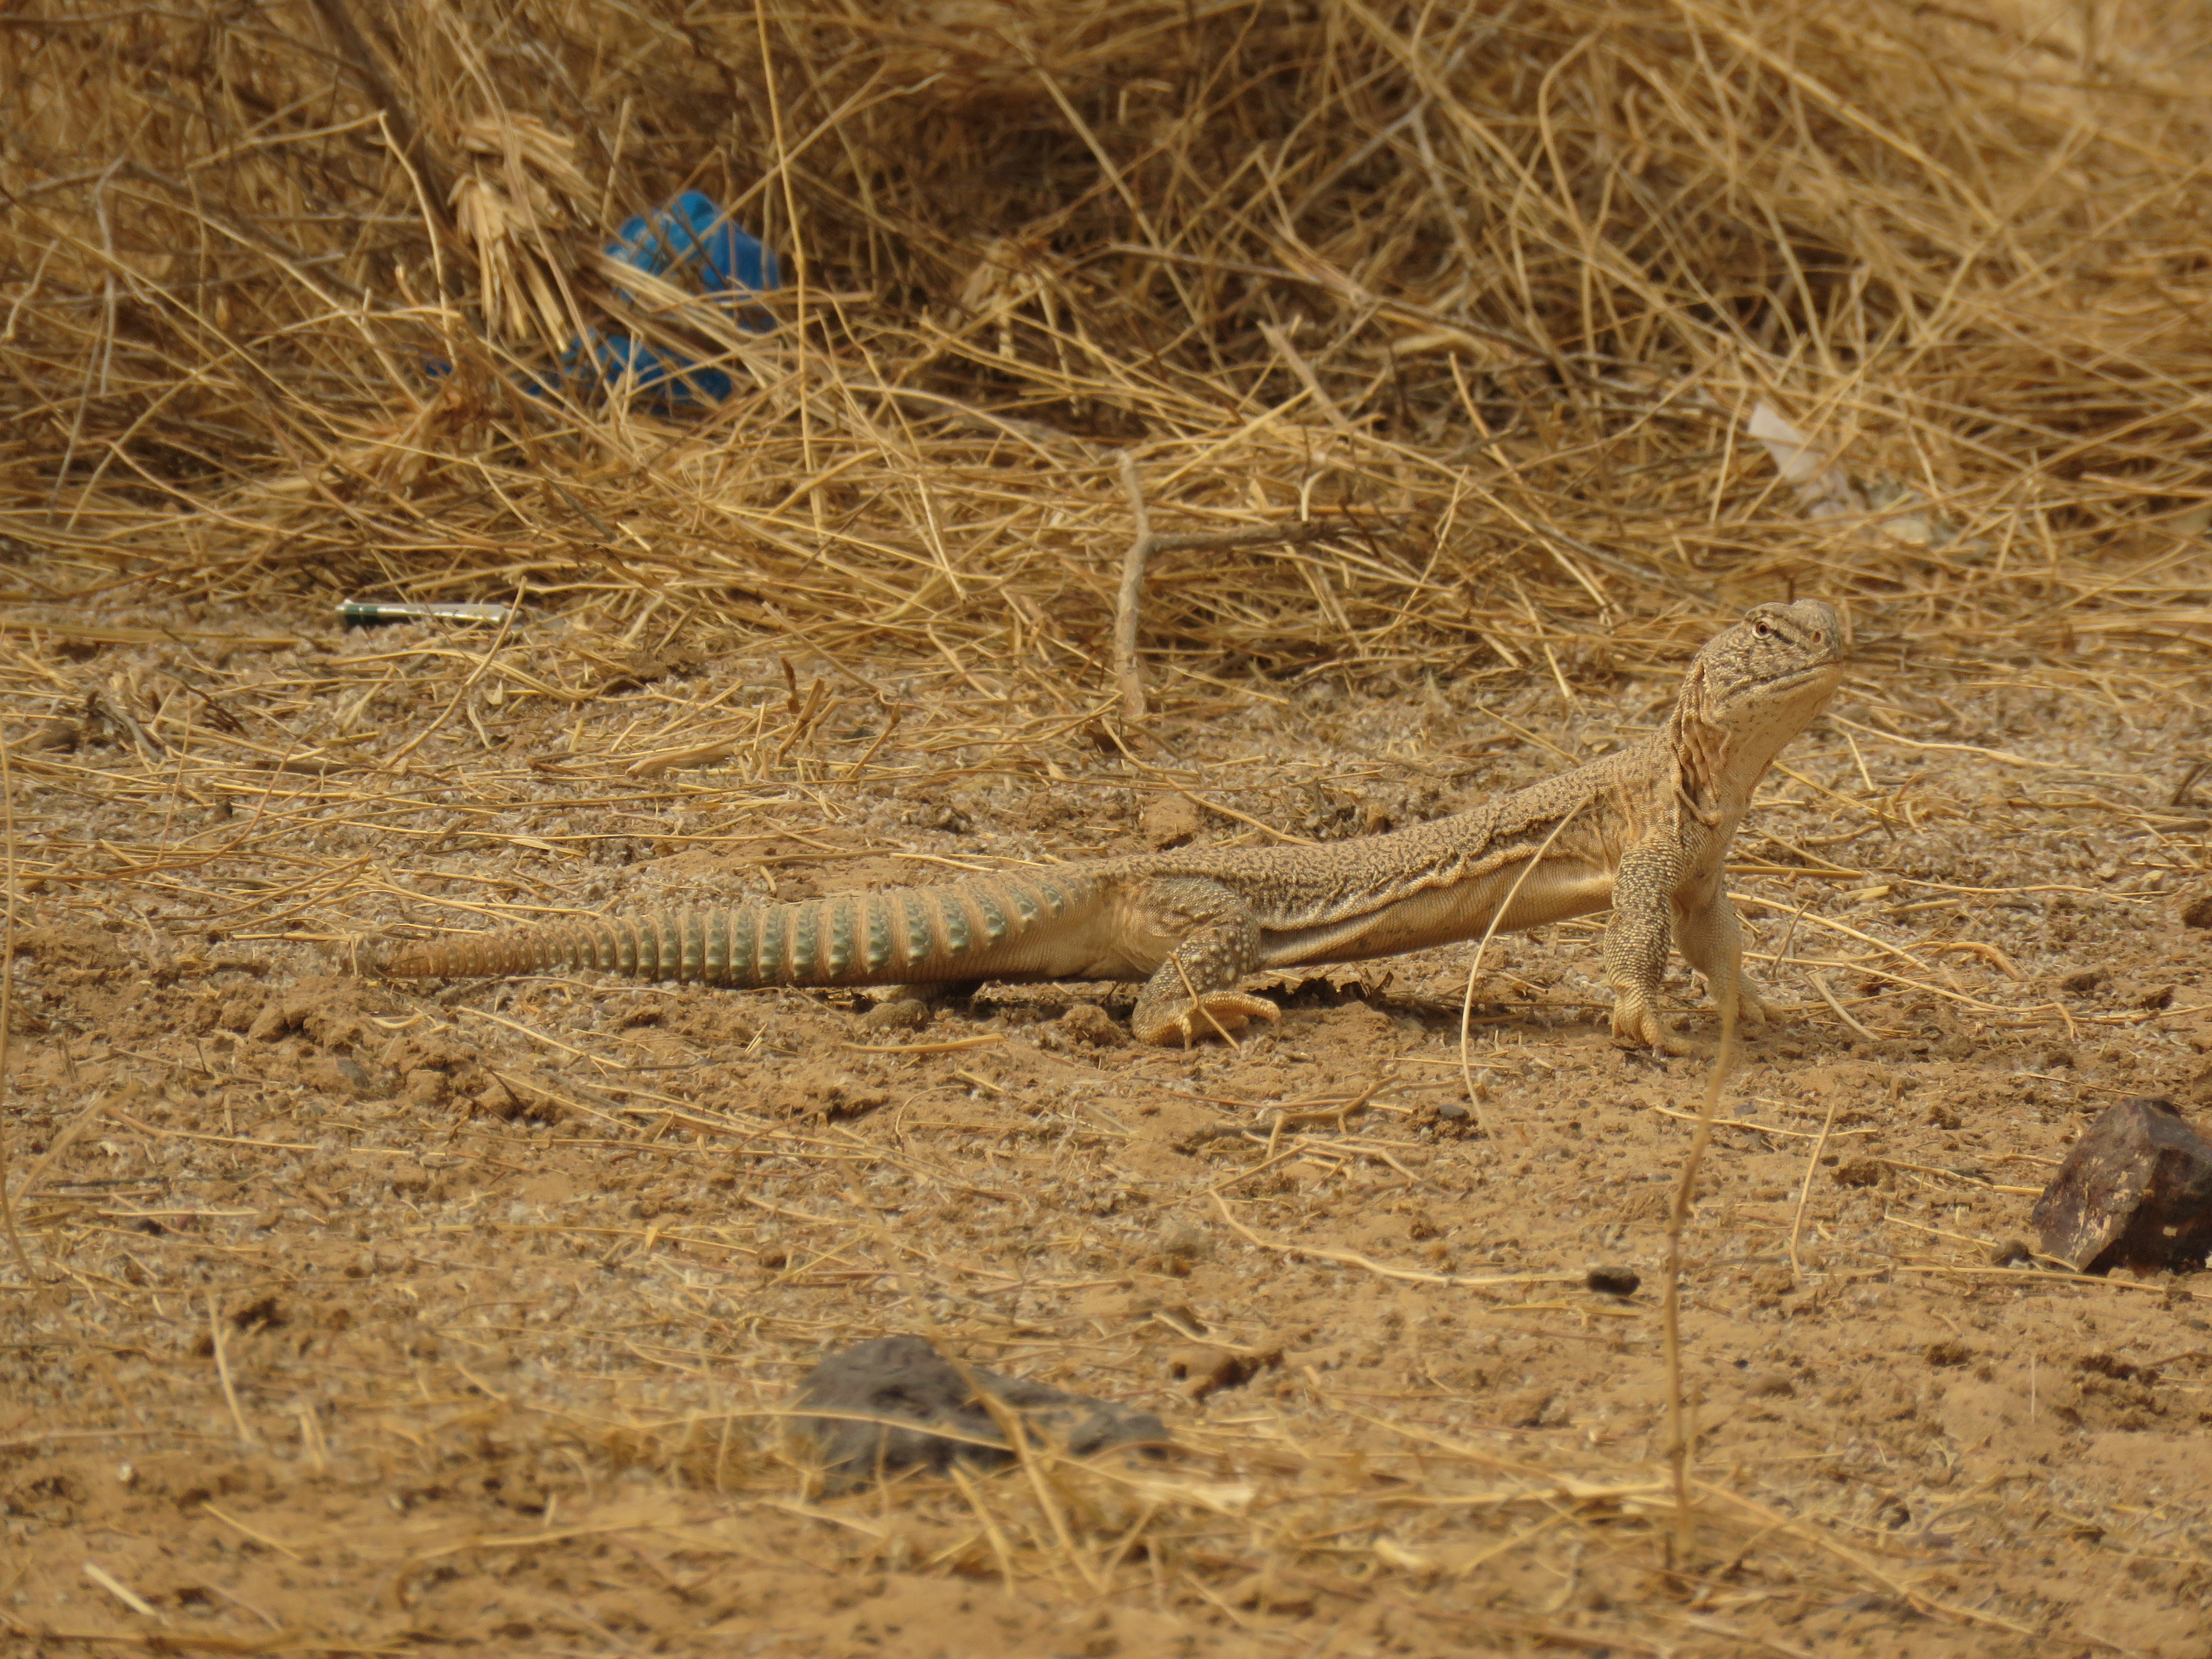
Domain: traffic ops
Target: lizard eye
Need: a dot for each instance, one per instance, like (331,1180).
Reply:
(1761,629)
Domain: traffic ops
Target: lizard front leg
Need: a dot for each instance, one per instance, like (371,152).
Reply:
(1193,994)
(1637,939)
(1711,938)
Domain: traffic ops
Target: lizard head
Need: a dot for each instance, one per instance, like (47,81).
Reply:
(1760,682)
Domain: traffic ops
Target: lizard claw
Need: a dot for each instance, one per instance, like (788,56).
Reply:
(1217,1013)
(1637,1024)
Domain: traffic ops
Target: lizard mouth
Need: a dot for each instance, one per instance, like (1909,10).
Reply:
(1825,675)
(1804,675)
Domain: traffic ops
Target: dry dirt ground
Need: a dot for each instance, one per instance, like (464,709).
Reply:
(348,1317)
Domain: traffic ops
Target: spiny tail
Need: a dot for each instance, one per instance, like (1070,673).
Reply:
(909,935)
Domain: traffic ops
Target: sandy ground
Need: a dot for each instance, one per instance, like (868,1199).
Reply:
(346,1318)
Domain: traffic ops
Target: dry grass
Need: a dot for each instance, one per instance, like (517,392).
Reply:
(1492,285)
(1459,312)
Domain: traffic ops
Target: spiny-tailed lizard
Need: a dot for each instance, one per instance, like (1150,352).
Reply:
(1646,831)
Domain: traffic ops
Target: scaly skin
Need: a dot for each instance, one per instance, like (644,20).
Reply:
(1646,831)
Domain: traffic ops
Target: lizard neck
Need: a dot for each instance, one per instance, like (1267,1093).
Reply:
(1714,774)
(1718,762)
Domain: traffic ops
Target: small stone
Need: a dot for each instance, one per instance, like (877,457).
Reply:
(2011,1252)
(1204,1369)
(1615,1281)
(1769,1284)
(1087,1023)
(1525,1407)
(1264,1592)
(1169,821)
(1181,1242)
(899,1014)
(56,733)
(1860,1172)
(514,1103)
(276,1019)
(2198,913)
(1453,1111)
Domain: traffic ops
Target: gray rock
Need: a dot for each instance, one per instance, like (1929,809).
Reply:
(901,1405)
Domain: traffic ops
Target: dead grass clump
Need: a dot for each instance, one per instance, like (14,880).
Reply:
(1495,287)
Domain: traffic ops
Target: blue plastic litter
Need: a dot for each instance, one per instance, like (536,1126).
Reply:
(692,236)
(691,239)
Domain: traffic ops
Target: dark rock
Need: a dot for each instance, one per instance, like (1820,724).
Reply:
(2134,1191)
(1613,1281)
(1453,1111)
(901,1405)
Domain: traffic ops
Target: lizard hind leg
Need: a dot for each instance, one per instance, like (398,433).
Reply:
(1193,994)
